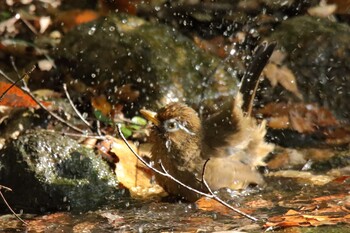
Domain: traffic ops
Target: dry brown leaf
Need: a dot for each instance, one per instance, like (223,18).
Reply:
(323,10)
(278,57)
(72,18)
(100,103)
(299,123)
(303,176)
(279,161)
(283,76)
(215,45)
(127,93)
(343,6)
(304,118)
(294,218)
(260,203)
(281,122)
(208,204)
(131,174)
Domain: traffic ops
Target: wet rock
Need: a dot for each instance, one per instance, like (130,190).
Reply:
(318,52)
(153,61)
(49,172)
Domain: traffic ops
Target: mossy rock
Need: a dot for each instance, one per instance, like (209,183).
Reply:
(49,172)
(318,52)
(157,61)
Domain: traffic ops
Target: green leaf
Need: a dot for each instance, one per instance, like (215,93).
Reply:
(139,121)
(126,131)
(101,117)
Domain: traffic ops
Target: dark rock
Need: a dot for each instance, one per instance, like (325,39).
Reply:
(49,172)
(160,64)
(318,52)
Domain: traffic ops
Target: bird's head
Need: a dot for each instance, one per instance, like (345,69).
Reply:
(175,124)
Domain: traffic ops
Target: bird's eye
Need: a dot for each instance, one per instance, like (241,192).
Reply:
(171,125)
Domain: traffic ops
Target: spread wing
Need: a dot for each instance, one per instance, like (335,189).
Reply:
(230,129)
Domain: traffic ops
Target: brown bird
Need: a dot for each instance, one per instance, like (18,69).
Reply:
(234,142)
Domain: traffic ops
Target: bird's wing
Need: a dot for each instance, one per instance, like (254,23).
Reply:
(230,173)
(250,80)
(229,129)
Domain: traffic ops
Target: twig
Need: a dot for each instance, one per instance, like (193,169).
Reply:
(73,106)
(28,92)
(16,70)
(98,127)
(79,135)
(166,174)
(31,27)
(9,207)
(218,199)
(12,85)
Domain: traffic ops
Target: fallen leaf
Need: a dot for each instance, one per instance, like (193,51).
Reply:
(283,76)
(72,18)
(15,97)
(215,45)
(322,11)
(303,176)
(343,7)
(101,104)
(306,119)
(131,174)
(208,204)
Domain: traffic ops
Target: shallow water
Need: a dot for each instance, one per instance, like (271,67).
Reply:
(161,216)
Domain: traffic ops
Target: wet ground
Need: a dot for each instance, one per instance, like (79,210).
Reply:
(270,205)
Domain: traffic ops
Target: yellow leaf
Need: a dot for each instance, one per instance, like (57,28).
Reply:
(283,76)
(132,174)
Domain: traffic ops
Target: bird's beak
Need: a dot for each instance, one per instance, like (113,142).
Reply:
(151,116)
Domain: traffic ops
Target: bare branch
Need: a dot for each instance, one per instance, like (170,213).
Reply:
(9,207)
(73,106)
(13,83)
(211,195)
(41,105)
(16,70)
(218,199)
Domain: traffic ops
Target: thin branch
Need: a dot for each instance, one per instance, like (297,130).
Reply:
(9,207)
(81,135)
(73,106)
(4,187)
(31,27)
(166,174)
(16,70)
(218,199)
(12,85)
(28,92)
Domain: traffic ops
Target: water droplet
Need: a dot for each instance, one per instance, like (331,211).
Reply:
(168,145)
(111,28)
(138,80)
(93,75)
(92,31)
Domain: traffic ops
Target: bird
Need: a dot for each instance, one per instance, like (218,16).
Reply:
(230,143)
